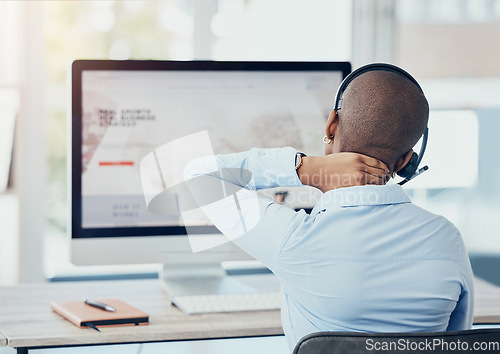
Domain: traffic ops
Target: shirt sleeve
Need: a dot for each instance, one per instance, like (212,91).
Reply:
(225,186)
(462,316)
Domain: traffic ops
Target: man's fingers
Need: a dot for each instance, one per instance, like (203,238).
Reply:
(364,178)
(374,163)
(370,179)
(375,171)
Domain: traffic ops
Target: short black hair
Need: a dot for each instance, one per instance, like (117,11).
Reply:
(383,115)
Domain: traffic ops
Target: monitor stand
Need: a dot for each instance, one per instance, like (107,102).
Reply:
(201,279)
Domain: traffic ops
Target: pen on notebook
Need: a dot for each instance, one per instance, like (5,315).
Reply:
(91,325)
(100,305)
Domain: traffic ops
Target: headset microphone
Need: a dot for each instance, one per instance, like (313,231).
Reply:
(411,170)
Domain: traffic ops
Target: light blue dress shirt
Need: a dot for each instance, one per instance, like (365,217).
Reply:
(366,259)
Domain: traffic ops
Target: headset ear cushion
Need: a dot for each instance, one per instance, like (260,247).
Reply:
(410,168)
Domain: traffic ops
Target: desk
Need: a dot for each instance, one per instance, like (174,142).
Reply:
(27,321)
(3,340)
(486,302)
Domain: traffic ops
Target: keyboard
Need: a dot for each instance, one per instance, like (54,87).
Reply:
(194,304)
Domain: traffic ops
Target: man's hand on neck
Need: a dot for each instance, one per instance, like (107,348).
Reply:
(345,169)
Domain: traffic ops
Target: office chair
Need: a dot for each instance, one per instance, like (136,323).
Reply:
(468,341)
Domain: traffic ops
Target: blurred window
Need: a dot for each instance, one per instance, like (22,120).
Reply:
(282,30)
(452,48)
(10,19)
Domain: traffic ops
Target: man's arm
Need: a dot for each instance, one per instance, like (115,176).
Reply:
(463,315)
(268,168)
(253,170)
(225,188)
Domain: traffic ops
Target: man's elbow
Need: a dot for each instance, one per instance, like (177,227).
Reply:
(199,166)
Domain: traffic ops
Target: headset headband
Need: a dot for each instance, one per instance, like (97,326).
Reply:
(367,68)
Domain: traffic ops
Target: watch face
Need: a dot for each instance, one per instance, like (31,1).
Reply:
(298,159)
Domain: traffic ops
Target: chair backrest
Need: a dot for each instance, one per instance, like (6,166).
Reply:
(469,341)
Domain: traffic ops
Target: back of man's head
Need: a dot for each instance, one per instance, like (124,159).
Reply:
(383,115)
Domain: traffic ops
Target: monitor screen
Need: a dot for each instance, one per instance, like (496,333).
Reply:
(124,110)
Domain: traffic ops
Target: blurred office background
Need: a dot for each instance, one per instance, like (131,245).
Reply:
(450,46)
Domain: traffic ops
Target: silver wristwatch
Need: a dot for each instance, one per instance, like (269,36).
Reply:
(298,159)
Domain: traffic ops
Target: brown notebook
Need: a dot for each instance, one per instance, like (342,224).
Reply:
(83,315)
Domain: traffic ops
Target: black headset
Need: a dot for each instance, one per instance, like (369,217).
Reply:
(410,170)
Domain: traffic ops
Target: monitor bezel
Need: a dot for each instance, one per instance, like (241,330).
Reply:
(79,66)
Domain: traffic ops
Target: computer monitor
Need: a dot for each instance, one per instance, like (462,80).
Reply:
(123,110)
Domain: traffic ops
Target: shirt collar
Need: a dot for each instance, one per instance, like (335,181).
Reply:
(365,195)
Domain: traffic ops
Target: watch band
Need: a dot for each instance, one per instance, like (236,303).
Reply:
(298,159)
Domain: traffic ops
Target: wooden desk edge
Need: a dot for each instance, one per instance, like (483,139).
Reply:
(486,319)
(141,338)
(3,340)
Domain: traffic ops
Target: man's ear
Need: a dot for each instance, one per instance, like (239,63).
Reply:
(403,161)
(332,124)
(330,130)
